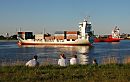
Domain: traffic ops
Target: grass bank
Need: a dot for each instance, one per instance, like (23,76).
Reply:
(76,73)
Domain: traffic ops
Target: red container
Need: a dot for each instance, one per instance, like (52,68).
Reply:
(50,38)
(71,36)
(59,37)
(71,32)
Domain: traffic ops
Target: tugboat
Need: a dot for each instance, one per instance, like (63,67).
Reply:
(115,37)
(84,36)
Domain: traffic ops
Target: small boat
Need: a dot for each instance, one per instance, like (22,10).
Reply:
(115,37)
(84,36)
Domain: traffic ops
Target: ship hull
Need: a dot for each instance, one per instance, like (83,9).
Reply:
(76,42)
(107,40)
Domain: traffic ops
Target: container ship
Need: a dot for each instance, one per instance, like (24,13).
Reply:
(114,37)
(84,36)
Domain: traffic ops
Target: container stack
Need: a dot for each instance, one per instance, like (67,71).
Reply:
(39,36)
(49,38)
(60,35)
(25,35)
(71,35)
(21,35)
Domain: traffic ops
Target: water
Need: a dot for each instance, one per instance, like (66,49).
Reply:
(117,52)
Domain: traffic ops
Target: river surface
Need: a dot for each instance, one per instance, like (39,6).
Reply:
(104,53)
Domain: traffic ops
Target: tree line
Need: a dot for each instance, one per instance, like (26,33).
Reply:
(12,37)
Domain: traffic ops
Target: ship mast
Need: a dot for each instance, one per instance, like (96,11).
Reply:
(43,33)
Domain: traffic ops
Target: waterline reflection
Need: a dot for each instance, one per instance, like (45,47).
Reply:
(50,54)
(83,54)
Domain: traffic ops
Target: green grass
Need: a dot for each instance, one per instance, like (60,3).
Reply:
(76,73)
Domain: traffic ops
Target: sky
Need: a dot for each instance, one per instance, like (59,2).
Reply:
(61,15)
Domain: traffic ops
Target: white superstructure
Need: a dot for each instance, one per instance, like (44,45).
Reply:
(116,33)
